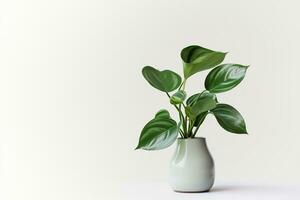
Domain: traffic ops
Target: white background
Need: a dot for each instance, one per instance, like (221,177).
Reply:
(73,100)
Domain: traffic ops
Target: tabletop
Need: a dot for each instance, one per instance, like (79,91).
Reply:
(232,191)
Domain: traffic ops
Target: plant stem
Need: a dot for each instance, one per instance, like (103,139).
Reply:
(183,84)
(196,130)
(185,122)
(181,133)
(190,131)
(180,112)
(181,117)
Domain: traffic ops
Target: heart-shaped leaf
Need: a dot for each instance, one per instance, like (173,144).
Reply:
(196,59)
(163,113)
(230,119)
(165,81)
(159,133)
(178,97)
(200,118)
(194,98)
(225,77)
(202,105)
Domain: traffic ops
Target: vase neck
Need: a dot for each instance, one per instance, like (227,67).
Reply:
(192,144)
(192,141)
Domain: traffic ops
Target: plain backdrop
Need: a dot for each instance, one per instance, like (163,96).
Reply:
(73,100)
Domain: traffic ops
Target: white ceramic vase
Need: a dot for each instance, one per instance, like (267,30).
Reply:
(192,167)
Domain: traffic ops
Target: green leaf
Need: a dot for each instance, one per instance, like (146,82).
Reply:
(165,81)
(194,98)
(196,59)
(158,133)
(225,77)
(202,105)
(178,97)
(200,118)
(163,113)
(230,119)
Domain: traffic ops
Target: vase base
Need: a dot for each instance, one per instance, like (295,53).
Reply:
(179,191)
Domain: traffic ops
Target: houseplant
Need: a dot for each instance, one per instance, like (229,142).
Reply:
(192,167)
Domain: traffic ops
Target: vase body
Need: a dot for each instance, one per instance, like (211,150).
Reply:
(192,166)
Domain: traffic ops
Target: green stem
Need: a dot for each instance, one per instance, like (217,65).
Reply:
(181,133)
(185,122)
(180,112)
(181,117)
(183,84)
(180,86)
(196,130)
(191,128)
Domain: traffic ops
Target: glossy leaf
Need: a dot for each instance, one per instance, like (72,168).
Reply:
(230,119)
(200,118)
(178,97)
(159,133)
(194,98)
(225,77)
(165,81)
(163,113)
(196,59)
(202,105)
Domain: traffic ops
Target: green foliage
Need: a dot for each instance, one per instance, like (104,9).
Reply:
(203,104)
(196,97)
(178,97)
(225,77)
(230,119)
(196,59)
(162,131)
(163,113)
(200,119)
(165,81)
(158,133)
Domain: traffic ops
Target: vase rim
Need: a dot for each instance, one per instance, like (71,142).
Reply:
(195,138)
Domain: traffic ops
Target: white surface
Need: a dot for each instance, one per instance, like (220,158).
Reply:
(221,191)
(73,99)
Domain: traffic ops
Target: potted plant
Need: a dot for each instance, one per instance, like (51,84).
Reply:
(192,167)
